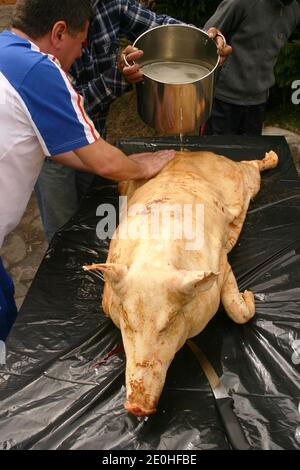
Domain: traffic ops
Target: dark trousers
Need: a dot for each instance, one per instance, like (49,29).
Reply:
(231,119)
(8,309)
(58,191)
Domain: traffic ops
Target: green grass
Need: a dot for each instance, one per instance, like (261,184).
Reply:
(287,117)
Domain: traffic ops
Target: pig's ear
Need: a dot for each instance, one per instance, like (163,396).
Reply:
(191,282)
(115,272)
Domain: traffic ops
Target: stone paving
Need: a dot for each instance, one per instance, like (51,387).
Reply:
(24,249)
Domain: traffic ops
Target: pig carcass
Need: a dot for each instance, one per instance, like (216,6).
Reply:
(159,291)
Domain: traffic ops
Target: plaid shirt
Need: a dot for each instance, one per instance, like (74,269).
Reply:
(96,76)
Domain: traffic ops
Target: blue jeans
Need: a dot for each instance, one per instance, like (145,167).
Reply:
(8,309)
(59,190)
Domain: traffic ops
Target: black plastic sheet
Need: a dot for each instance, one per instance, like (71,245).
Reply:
(63,384)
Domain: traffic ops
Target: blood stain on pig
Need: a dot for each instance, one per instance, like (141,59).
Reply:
(114,352)
(143,364)
(138,389)
(154,202)
(115,258)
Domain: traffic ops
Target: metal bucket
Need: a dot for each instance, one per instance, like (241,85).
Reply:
(179,65)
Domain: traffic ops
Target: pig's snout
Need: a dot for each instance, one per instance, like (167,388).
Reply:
(137,410)
(144,385)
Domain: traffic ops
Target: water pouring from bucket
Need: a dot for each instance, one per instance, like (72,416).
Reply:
(179,65)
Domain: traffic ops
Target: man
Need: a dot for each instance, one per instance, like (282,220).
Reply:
(41,114)
(98,78)
(257,30)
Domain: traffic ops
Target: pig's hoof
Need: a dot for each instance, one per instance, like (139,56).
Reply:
(137,410)
(271,160)
(249,312)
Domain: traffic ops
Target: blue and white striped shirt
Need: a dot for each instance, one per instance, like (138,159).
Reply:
(40,114)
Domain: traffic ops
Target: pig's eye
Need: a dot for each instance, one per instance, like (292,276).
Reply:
(128,324)
(171,320)
(124,316)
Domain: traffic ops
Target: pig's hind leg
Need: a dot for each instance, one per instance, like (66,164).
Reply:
(251,185)
(267,163)
(240,307)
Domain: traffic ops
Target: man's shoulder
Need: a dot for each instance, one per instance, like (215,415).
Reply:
(19,58)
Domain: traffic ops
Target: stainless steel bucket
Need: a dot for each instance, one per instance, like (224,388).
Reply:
(179,104)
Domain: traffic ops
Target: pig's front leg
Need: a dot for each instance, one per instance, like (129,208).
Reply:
(240,307)
(235,228)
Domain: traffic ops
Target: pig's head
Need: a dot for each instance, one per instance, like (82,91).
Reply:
(151,307)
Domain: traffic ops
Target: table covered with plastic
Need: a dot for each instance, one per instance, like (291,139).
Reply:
(63,385)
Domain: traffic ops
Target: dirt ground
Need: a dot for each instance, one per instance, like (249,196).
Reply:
(124,121)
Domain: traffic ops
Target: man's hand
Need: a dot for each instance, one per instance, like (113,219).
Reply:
(131,71)
(224,49)
(152,162)
(104,159)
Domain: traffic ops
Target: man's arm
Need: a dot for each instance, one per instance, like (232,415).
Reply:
(132,19)
(58,114)
(132,72)
(108,161)
(70,160)
(135,19)
(103,89)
